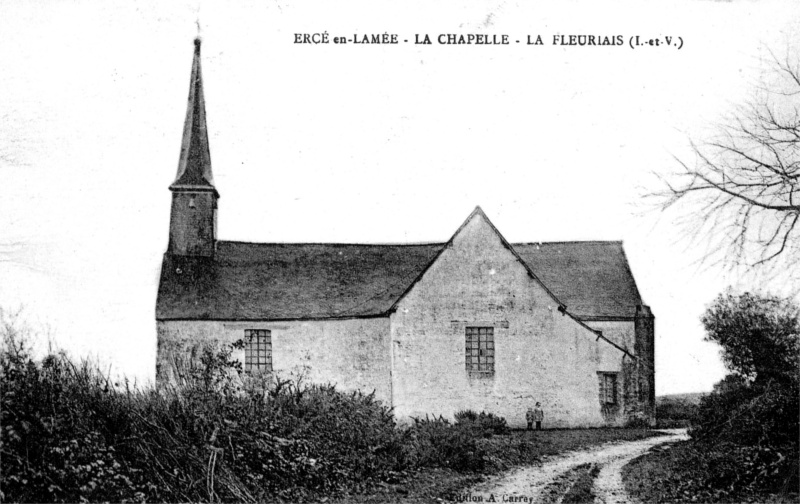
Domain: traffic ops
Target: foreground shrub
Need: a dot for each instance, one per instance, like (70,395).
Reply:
(750,415)
(325,439)
(746,438)
(435,442)
(70,434)
(708,473)
(483,424)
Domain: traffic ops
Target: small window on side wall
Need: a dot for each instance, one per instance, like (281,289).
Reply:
(608,388)
(257,351)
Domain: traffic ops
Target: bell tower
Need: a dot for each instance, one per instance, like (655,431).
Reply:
(193,220)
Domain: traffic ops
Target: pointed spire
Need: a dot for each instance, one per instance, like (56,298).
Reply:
(194,166)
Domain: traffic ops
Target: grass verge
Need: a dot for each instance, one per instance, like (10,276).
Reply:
(581,490)
(573,486)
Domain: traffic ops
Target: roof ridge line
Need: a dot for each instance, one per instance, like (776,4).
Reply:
(418,244)
(620,242)
(337,244)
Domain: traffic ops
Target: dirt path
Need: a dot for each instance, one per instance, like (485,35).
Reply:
(537,483)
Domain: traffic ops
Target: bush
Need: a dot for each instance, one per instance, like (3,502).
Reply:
(435,442)
(750,436)
(483,424)
(752,417)
(330,440)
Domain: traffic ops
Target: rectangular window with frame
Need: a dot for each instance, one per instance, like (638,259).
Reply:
(608,388)
(257,351)
(480,351)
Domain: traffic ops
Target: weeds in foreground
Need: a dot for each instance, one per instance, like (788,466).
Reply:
(70,433)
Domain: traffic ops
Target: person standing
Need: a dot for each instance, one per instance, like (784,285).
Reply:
(529,417)
(538,417)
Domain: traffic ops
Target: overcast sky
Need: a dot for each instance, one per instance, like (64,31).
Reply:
(346,143)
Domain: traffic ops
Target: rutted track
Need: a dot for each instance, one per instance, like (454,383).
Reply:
(530,481)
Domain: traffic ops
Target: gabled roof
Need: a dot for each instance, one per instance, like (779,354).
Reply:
(194,165)
(252,281)
(479,213)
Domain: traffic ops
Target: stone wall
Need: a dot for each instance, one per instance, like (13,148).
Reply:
(353,353)
(540,354)
(637,336)
(645,347)
(621,332)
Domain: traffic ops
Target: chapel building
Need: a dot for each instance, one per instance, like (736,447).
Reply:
(473,322)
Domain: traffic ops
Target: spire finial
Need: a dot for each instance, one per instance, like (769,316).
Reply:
(198,39)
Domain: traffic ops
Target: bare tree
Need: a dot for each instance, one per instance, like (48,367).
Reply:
(741,193)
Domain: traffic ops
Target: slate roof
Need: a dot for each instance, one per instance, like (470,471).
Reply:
(592,278)
(256,281)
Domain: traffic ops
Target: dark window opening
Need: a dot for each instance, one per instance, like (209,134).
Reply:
(608,388)
(480,351)
(257,351)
